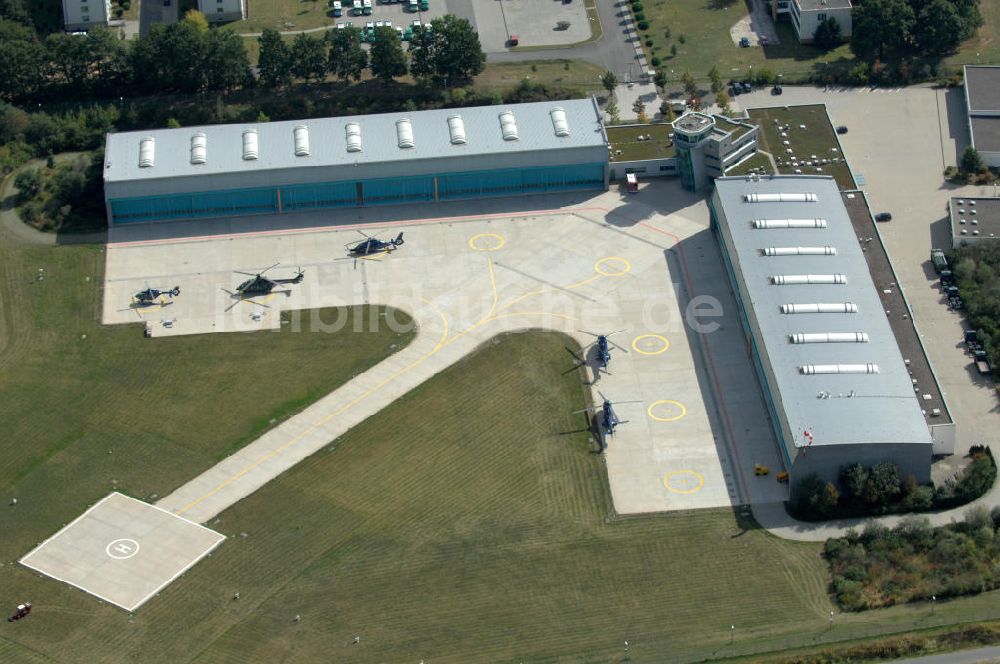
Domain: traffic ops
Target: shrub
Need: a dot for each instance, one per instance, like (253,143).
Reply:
(637,6)
(644,25)
(640,18)
(649,42)
(656,61)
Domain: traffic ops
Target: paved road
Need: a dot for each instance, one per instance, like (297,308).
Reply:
(614,51)
(922,128)
(977,656)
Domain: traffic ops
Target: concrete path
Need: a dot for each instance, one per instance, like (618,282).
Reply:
(989,655)
(606,263)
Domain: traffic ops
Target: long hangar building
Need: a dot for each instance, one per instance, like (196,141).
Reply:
(271,168)
(834,379)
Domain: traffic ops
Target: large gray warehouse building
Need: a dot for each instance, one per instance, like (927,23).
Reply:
(833,377)
(272,168)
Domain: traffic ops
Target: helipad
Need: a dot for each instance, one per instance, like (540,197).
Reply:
(123,550)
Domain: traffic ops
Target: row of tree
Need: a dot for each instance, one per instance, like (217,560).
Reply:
(188,56)
(445,52)
(896,29)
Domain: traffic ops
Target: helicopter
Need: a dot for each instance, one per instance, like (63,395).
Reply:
(145,298)
(609,420)
(258,284)
(604,344)
(372,245)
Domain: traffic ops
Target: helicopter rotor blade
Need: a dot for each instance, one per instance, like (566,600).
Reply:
(583,410)
(621,348)
(249,274)
(269,268)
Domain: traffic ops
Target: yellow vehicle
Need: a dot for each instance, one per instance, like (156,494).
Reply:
(760,470)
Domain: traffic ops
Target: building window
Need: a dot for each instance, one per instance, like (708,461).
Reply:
(820,17)
(219,10)
(85,18)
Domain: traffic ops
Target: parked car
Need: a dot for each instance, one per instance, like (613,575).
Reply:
(747,87)
(776,90)
(513,41)
(745,42)
(883,216)
(842,129)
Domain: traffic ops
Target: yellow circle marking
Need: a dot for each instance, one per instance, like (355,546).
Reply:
(650,344)
(376,256)
(684,481)
(675,409)
(606,268)
(474,242)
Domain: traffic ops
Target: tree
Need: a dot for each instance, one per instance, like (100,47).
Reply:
(226,64)
(939,28)
(669,114)
(196,19)
(70,60)
(387,59)
(447,53)
(28,183)
(609,81)
(881,28)
(971,161)
(715,78)
(673,50)
(639,108)
(614,115)
(308,57)
(722,101)
(347,59)
(827,35)
(690,87)
(885,477)
(275,59)
(853,479)
(22,59)
(660,78)
(826,501)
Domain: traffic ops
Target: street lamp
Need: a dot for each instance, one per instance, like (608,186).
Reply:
(732,633)
(933,602)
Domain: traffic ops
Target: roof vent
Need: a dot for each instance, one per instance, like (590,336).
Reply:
(779,198)
(508,126)
(559,123)
(301,133)
(199,148)
(815,369)
(789,223)
(829,338)
(456,128)
(353,130)
(800,279)
(404,133)
(250,150)
(799,251)
(820,308)
(147,149)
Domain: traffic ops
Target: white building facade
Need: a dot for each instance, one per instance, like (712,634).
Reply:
(806,15)
(217,11)
(84,14)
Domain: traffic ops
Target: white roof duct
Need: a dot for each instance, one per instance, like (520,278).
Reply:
(456,129)
(816,369)
(147,152)
(820,308)
(800,279)
(404,133)
(301,134)
(199,148)
(799,251)
(508,126)
(789,223)
(353,130)
(779,198)
(829,338)
(250,149)
(559,123)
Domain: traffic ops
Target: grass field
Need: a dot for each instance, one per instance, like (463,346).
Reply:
(818,138)
(705,26)
(288,15)
(88,408)
(758,161)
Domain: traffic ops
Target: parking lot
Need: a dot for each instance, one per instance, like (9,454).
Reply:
(399,14)
(535,22)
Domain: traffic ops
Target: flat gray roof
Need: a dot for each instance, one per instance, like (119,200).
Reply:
(811,5)
(975,214)
(327,140)
(837,408)
(986,133)
(982,85)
